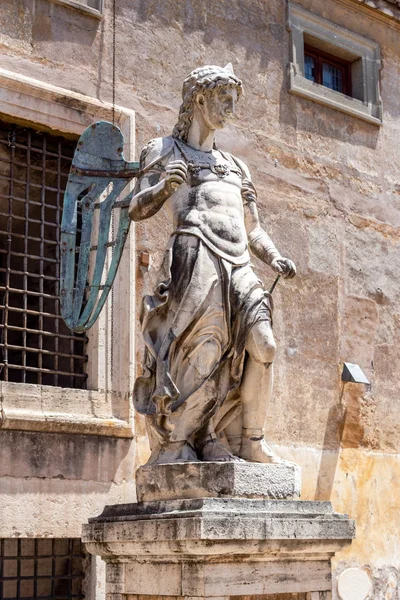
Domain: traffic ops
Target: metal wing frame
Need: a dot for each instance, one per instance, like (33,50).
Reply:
(99,174)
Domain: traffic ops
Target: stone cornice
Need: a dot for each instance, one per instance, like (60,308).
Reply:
(388,10)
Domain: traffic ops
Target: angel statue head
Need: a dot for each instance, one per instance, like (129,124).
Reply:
(205,88)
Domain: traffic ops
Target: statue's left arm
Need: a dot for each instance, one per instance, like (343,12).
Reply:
(260,243)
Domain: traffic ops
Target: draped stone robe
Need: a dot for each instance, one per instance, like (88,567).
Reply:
(195,326)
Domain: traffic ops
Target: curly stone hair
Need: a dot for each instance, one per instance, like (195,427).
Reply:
(203,80)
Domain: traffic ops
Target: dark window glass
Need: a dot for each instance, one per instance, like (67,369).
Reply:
(327,70)
(332,77)
(309,67)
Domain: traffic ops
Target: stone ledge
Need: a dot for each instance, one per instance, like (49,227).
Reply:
(29,407)
(52,422)
(218,479)
(214,526)
(208,507)
(301,86)
(56,109)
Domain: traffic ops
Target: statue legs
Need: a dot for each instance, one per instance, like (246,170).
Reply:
(193,437)
(208,330)
(256,392)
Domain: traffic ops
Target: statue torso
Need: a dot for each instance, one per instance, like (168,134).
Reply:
(210,204)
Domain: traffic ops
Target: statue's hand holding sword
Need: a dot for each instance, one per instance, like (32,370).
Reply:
(284,267)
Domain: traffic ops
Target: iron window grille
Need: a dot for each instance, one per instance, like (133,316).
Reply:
(35,344)
(41,569)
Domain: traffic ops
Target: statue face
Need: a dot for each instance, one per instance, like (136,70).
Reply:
(217,108)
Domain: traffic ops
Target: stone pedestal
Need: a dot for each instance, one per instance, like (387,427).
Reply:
(212,547)
(218,480)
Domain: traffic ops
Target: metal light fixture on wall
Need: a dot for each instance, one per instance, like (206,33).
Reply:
(353,373)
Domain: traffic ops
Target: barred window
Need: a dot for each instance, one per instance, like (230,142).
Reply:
(41,569)
(35,344)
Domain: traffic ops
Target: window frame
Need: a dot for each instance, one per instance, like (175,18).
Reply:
(362,53)
(105,407)
(321,57)
(34,340)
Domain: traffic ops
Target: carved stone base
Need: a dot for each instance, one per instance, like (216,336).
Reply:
(218,547)
(218,480)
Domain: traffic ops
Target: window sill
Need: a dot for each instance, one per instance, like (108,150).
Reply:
(301,86)
(28,407)
(87,10)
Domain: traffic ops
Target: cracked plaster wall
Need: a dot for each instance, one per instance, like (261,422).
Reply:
(329,195)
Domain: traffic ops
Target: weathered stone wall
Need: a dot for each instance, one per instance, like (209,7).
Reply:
(329,195)
(48,481)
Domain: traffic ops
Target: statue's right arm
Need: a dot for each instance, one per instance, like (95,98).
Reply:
(159,181)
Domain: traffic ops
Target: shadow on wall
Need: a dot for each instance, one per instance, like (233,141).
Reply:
(310,118)
(43,21)
(57,23)
(238,22)
(349,433)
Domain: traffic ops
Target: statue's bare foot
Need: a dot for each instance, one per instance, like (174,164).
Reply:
(214,451)
(258,451)
(174,452)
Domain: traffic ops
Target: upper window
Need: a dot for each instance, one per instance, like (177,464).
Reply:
(327,70)
(91,7)
(334,66)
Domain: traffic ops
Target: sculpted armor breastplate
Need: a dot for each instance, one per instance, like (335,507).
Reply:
(216,161)
(210,205)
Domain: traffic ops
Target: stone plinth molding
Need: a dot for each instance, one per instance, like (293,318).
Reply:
(218,547)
